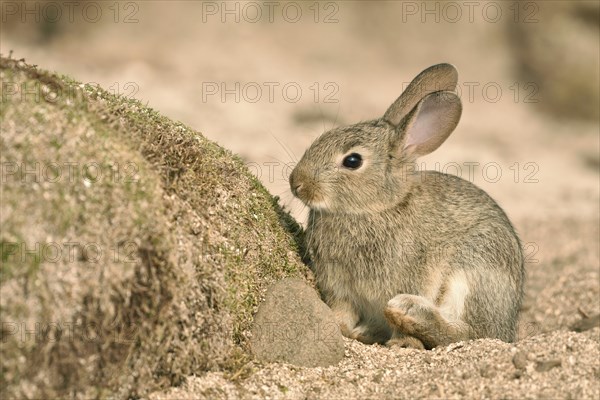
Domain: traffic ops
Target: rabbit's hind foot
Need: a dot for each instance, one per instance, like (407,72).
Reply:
(417,316)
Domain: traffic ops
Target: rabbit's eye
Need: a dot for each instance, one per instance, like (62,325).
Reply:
(352,161)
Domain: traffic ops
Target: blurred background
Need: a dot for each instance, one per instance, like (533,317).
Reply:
(264,79)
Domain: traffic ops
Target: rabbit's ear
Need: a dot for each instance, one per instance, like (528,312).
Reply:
(430,123)
(435,78)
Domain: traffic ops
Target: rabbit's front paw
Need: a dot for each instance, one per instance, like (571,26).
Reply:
(346,318)
(362,334)
(409,313)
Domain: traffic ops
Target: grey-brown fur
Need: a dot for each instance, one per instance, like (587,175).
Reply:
(395,250)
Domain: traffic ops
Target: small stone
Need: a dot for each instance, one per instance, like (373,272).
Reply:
(585,324)
(520,360)
(294,326)
(461,374)
(454,346)
(543,366)
(486,371)
(377,378)
(517,374)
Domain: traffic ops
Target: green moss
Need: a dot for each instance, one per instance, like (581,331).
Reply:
(192,244)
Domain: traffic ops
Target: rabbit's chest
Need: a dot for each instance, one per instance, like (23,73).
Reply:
(353,237)
(356,251)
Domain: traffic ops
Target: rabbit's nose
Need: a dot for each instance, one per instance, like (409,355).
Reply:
(294,184)
(299,185)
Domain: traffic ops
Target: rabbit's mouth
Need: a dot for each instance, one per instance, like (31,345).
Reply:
(319,205)
(302,189)
(307,189)
(311,198)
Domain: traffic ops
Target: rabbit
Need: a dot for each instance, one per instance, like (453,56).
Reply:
(418,259)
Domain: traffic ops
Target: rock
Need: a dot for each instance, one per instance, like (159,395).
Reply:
(585,324)
(517,374)
(378,377)
(520,360)
(543,366)
(294,326)
(486,370)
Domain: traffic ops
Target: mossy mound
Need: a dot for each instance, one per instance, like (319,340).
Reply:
(134,250)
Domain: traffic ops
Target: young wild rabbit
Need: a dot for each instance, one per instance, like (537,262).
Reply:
(419,259)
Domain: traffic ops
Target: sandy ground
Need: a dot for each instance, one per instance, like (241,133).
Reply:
(552,362)
(542,169)
(546,366)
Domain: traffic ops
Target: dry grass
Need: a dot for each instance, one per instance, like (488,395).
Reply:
(162,256)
